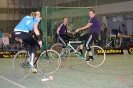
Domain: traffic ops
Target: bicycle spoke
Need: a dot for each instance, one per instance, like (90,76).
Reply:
(57,47)
(46,61)
(98,56)
(20,68)
(65,56)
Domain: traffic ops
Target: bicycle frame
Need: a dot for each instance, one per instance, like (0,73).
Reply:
(39,56)
(71,42)
(77,42)
(84,55)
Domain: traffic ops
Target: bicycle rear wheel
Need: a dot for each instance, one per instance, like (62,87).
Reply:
(20,66)
(63,52)
(57,47)
(98,56)
(48,62)
(65,57)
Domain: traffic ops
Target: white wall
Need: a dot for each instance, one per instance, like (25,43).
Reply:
(113,25)
(3,3)
(117,24)
(3,16)
(114,8)
(129,27)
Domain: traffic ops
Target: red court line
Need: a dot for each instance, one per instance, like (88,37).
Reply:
(121,78)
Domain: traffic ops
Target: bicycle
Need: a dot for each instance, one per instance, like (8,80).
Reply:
(45,63)
(114,41)
(98,53)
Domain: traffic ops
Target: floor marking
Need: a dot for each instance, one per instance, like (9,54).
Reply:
(12,82)
(121,78)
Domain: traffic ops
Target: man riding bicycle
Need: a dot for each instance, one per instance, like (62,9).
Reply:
(61,30)
(94,25)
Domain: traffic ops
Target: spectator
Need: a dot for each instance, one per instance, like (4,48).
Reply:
(125,40)
(124,29)
(1,34)
(103,34)
(5,40)
(55,26)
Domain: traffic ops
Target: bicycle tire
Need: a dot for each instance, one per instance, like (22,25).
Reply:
(64,60)
(23,64)
(65,57)
(44,63)
(97,61)
(57,47)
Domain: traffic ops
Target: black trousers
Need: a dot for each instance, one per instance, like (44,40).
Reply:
(88,38)
(64,39)
(103,41)
(27,38)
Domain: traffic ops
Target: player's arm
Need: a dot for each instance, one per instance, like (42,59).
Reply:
(69,31)
(38,34)
(36,22)
(59,28)
(57,31)
(85,27)
(36,29)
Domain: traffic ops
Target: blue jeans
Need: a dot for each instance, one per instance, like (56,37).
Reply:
(5,47)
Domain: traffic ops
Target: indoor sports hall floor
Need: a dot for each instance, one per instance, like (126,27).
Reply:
(116,72)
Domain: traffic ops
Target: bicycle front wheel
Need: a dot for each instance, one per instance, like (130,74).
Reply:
(48,62)
(20,66)
(98,56)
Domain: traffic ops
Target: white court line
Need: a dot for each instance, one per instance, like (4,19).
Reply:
(12,82)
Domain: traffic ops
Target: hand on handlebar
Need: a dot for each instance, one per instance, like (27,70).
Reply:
(76,31)
(70,32)
(40,43)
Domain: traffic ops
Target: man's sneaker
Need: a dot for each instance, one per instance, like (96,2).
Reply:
(89,60)
(33,70)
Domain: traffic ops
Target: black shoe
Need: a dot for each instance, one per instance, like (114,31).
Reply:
(88,60)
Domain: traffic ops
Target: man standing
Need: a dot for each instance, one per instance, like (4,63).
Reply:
(103,34)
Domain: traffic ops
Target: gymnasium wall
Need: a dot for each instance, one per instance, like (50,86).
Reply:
(103,7)
(3,14)
(114,8)
(106,8)
(55,2)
